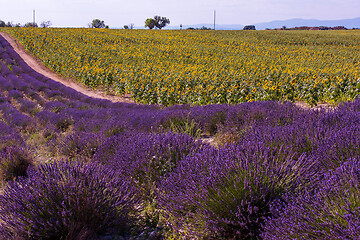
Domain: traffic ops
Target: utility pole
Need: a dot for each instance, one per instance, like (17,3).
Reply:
(214,18)
(34,17)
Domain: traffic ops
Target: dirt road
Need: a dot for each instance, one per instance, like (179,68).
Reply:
(36,64)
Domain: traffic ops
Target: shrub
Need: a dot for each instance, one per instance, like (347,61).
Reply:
(9,137)
(148,157)
(54,106)
(28,107)
(330,210)
(21,122)
(44,117)
(81,145)
(14,162)
(15,94)
(64,198)
(184,126)
(226,193)
(62,122)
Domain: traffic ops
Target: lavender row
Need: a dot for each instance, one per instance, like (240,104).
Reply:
(196,190)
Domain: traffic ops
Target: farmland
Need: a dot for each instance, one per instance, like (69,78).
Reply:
(204,67)
(77,167)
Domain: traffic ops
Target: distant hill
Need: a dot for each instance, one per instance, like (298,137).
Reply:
(290,23)
(208,25)
(298,22)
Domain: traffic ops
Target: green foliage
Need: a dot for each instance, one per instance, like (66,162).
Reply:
(31,24)
(150,23)
(157,21)
(204,28)
(161,22)
(97,23)
(45,24)
(249,27)
(185,126)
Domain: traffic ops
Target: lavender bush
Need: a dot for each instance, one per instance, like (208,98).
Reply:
(226,193)
(9,137)
(329,211)
(28,107)
(148,157)
(56,198)
(16,94)
(81,145)
(54,106)
(14,162)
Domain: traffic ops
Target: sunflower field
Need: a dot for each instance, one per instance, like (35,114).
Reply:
(204,67)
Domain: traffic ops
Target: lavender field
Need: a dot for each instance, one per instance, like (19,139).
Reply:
(75,167)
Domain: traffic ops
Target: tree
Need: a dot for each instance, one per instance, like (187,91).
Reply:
(45,24)
(30,24)
(11,24)
(205,28)
(161,22)
(157,21)
(249,27)
(150,23)
(97,23)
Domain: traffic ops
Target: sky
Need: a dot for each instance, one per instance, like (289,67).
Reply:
(116,14)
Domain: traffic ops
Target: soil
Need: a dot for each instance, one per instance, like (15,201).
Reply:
(36,64)
(319,106)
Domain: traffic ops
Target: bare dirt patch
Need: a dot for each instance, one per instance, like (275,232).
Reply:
(36,64)
(319,106)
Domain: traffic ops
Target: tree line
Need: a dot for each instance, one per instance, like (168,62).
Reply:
(156,22)
(44,24)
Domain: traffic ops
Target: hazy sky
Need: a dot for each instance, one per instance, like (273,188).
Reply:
(78,13)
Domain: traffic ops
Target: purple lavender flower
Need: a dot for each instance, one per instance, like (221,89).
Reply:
(81,145)
(55,198)
(28,107)
(4,70)
(327,210)
(9,137)
(14,162)
(15,94)
(227,193)
(54,106)
(44,116)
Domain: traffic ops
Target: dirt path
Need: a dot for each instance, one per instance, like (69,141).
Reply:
(36,64)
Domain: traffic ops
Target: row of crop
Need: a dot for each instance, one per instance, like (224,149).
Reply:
(177,67)
(134,172)
(174,186)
